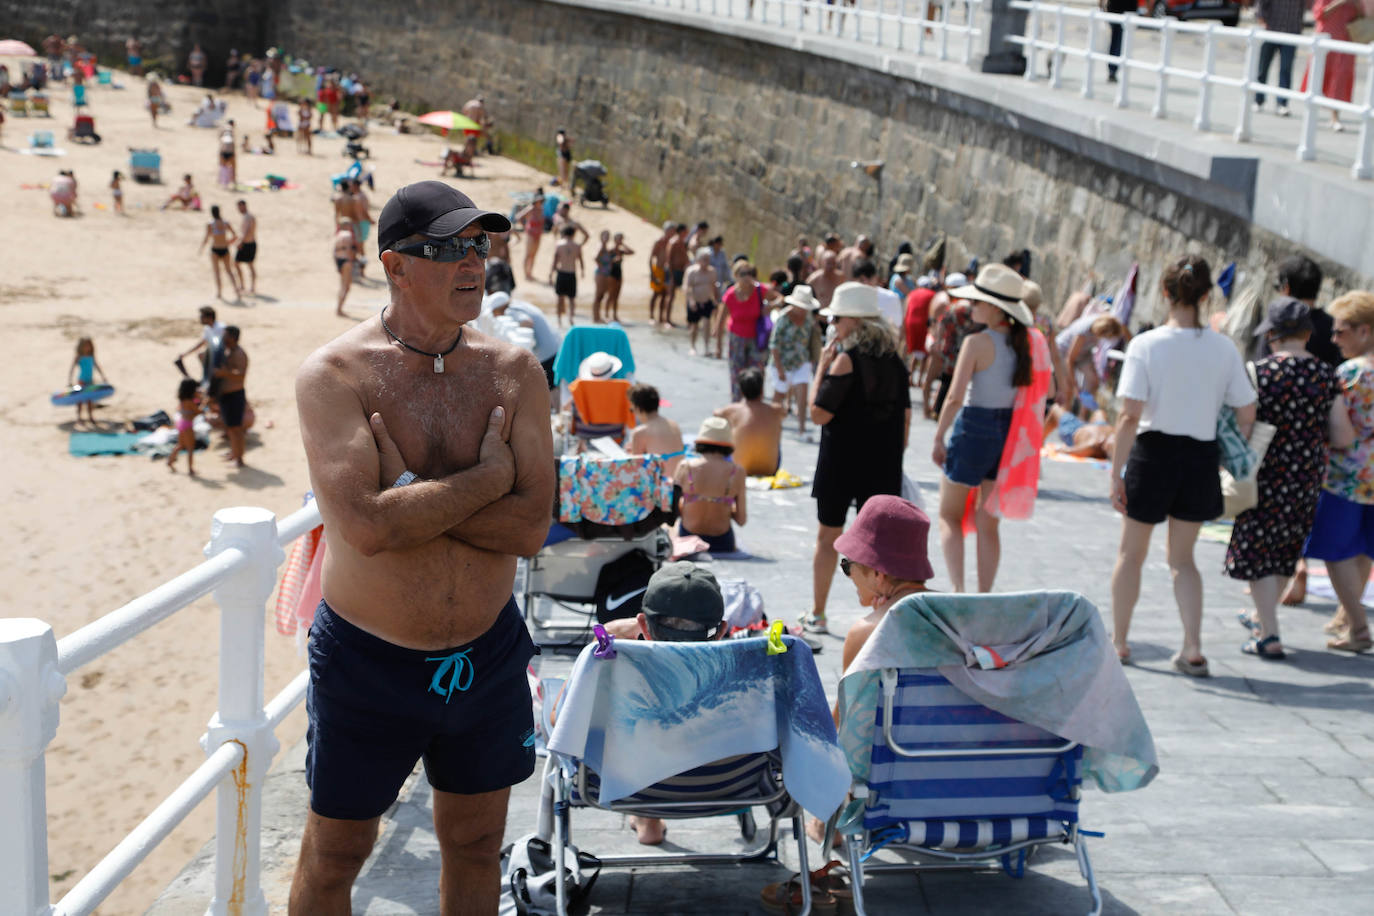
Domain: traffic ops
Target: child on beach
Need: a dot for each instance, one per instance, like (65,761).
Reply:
(188,408)
(117,193)
(84,367)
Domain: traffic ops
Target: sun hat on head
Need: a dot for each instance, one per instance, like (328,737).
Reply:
(853,300)
(599,365)
(1032,295)
(1285,317)
(802,296)
(905,262)
(889,535)
(683,602)
(999,285)
(715,431)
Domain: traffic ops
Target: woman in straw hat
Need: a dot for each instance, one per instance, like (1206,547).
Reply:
(712,488)
(862,403)
(992,365)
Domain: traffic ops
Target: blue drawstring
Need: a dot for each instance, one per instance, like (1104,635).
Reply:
(458,663)
(895,833)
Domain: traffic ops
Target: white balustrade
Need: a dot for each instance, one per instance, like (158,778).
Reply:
(244,553)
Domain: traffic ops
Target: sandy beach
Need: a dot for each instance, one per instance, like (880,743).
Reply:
(89,534)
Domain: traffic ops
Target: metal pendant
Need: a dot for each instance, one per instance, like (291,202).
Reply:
(438,364)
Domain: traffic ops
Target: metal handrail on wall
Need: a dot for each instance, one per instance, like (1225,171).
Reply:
(1042,15)
(244,552)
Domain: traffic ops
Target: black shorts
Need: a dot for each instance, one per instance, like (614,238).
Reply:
(678,275)
(226,157)
(699,310)
(1172,476)
(832,510)
(231,407)
(565,284)
(375,708)
(247,252)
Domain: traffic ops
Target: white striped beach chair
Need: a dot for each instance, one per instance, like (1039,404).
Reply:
(957,784)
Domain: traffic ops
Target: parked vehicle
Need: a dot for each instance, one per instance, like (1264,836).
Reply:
(1228,11)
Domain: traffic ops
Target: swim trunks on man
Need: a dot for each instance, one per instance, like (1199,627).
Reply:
(375,708)
(565,284)
(247,252)
(696,311)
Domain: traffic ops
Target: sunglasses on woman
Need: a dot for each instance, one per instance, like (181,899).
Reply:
(844,566)
(447,251)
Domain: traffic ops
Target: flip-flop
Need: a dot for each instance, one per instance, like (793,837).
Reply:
(1260,647)
(1192,669)
(1247,620)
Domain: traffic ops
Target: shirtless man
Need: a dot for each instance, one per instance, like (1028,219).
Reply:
(757,427)
(429,452)
(824,280)
(851,254)
(233,401)
(653,434)
(658,273)
(702,299)
(678,259)
(567,265)
(248,248)
(563,218)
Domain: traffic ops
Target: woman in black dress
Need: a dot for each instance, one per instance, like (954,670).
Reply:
(863,405)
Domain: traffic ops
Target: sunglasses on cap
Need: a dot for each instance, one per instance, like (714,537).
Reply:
(447,251)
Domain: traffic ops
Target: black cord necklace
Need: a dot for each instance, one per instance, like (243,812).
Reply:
(437,357)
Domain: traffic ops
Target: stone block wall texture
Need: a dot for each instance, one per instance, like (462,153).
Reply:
(756,139)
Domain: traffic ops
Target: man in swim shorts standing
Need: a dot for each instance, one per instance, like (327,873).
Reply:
(429,451)
(567,264)
(248,248)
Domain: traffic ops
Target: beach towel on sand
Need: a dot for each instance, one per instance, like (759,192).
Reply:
(1042,658)
(85,444)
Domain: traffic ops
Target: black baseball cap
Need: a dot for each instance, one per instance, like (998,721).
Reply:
(683,603)
(433,209)
(1285,316)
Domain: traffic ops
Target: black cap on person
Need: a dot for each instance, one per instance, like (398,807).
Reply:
(433,209)
(1285,317)
(683,602)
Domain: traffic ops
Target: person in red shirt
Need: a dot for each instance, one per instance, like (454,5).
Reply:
(917,323)
(745,305)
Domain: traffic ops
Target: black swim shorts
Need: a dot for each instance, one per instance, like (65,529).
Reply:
(247,252)
(375,708)
(699,310)
(231,407)
(565,284)
(1171,476)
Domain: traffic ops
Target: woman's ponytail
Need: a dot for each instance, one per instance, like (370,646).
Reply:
(1019,339)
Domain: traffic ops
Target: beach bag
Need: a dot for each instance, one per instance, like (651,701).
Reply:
(529,875)
(1241,492)
(621,584)
(763,328)
(1236,457)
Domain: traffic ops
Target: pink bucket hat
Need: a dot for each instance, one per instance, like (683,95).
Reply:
(890,536)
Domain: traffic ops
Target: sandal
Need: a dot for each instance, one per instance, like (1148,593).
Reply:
(825,879)
(814,623)
(1192,669)
(1352,641)
(1264,648)
(786,897)
(1335,626)
(1247,620)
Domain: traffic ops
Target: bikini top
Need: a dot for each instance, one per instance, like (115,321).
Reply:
(690,495)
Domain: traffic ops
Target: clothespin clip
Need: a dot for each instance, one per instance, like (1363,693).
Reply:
(605,647)
(775,644)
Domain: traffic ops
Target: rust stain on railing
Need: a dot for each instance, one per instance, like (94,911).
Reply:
(240,774)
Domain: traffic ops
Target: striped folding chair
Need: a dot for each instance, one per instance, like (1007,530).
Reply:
(959,784)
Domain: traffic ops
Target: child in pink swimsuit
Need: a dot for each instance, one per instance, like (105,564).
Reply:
(188,394)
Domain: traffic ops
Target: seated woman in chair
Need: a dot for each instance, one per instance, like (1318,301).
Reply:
(712,488)
(653,434)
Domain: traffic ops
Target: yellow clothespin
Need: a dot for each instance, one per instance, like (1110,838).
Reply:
(775,644)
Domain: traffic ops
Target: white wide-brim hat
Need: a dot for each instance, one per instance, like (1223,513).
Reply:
(999,285)
(599,365)
(853,300)
(804,297)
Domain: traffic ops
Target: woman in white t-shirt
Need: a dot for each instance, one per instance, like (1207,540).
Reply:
(1175,381)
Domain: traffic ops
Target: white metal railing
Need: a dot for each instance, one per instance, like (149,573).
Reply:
(921,27)
(244,553)
(1045,34)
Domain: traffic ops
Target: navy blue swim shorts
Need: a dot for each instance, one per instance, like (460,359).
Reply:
(375,708)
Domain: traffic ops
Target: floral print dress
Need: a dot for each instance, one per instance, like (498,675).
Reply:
(1295,395)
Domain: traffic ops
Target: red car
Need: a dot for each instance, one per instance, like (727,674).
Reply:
(1228,11)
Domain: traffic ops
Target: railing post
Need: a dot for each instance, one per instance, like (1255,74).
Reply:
(1166,53)
(1307,147)
(1056,63)
(901,26)
(1362,168)
(30,688)
(1251,63)
(1204,96)
(1127,43)
(242,600)
(1033,46)
(1089,60)
(944,29)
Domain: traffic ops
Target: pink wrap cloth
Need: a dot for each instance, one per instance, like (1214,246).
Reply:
(299,592)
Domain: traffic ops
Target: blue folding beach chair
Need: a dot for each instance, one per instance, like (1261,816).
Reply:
(958,784)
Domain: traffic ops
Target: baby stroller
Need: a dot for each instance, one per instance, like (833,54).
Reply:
(590,172)
(145,165)
(353,148)
(84,129)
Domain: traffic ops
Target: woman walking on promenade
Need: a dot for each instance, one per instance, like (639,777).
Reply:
(1343,530)
(1299,396)
(863,405)
(745,304)
(1175,380)
(994,365)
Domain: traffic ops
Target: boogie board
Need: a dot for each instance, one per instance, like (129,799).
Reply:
(79,394)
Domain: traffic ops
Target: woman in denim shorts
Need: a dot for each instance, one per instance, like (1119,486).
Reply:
(992,364)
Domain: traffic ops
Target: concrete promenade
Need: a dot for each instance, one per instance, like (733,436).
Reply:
(1263,803)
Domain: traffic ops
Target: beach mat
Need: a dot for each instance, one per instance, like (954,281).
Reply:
(1050,454)
(82,445)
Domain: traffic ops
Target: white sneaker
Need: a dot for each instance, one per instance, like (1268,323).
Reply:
(1337,127)
(1283,111)
(1257,107)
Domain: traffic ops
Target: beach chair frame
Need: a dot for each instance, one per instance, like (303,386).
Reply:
(569,781)
(857,844)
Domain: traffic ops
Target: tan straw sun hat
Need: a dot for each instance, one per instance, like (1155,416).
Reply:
(715,431)
(905,263)
(853,300)
(999,285)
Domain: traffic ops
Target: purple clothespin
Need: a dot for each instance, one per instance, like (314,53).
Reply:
(605,643)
